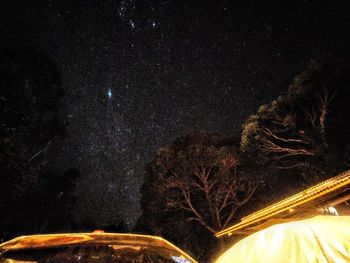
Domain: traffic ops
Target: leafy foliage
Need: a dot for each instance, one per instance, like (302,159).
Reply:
(299,130)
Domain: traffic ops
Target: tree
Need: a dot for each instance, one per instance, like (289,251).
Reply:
(51,208)
(297,130)
(196,182)
(274,137)
(30,93)
(204,183)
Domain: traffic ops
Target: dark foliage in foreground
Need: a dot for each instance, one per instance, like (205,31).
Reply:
(31,199)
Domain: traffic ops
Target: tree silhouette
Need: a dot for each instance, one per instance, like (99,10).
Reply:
(197,188)
(297,129)
(202,180)
(30,93)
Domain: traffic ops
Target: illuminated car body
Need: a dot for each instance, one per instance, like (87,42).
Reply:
(91,247)
(317,239)
(310,226)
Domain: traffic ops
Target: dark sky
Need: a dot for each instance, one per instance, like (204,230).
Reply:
(140,73)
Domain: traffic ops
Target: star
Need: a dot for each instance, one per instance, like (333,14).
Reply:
(132,24)
(109,93)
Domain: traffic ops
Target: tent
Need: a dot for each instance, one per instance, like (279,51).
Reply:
(317,239)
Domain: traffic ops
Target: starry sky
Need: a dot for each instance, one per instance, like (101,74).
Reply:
(139,73)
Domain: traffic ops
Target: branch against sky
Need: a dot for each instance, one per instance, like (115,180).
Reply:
(295,128)
(202,181)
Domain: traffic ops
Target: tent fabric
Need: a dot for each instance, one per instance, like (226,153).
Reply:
(318,239)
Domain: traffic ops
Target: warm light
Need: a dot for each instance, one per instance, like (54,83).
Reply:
(98,231)
(318,239)
(293,202)
(332,210)
(98,235)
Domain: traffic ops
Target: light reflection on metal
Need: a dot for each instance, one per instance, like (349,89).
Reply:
(291,202)
(317,239)
(56,240)
(331,210)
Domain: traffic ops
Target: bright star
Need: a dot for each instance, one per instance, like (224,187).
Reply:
(109,93)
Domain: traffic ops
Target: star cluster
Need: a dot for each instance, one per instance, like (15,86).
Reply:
(139,73)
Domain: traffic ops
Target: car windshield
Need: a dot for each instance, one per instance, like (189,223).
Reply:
(95,253)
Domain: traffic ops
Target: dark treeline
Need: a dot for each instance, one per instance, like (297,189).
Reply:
(30,196)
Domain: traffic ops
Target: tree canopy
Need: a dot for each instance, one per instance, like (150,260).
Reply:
(302,130)
(196,185)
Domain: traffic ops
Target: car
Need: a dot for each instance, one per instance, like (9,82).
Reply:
(316,239)
(91,248)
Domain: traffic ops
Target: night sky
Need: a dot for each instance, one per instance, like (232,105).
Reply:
(139,73)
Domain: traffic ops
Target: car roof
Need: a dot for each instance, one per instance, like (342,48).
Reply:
(59,240)
(319,195)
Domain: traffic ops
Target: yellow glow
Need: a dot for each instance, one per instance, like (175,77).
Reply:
(291,202)
(40,241)
(318,239)
(332,210)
